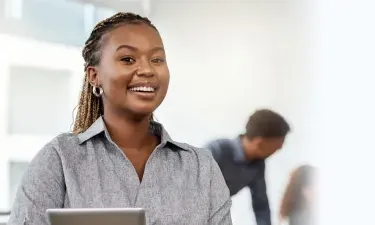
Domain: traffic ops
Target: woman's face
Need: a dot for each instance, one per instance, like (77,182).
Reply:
(133,71)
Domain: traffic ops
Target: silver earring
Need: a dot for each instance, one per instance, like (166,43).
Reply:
(95,91)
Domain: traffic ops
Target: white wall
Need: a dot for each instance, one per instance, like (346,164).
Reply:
(228,58)
(344,59)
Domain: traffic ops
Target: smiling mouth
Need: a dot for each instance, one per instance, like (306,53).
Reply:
(142,89)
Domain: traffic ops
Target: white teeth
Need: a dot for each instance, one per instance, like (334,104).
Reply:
(144,89)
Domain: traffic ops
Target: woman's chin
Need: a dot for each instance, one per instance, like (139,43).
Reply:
(141,113)
(143,108)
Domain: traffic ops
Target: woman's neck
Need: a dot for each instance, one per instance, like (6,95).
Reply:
(127,132)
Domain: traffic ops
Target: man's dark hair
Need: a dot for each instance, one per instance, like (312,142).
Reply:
(267,124)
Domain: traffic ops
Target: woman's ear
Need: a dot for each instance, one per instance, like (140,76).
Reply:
(256,142)
(92,75)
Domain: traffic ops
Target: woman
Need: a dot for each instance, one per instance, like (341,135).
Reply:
(117,156)
(298,202)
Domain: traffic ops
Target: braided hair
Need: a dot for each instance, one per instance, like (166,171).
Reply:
(90,107)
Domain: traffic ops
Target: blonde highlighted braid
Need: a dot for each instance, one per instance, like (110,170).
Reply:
(90,107)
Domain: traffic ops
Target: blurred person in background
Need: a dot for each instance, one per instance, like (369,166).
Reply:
(242,160)
(117,156)
(297,206)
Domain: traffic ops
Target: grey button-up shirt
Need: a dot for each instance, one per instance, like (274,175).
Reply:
(181,184)
(240,173)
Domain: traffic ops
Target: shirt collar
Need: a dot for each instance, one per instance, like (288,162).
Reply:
(156,128)
(238,151)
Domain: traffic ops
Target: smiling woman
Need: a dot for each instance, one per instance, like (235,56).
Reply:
(117,156)
(116,58)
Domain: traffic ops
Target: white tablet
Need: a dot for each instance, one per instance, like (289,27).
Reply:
(97,216)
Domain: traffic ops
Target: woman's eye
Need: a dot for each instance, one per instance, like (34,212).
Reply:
(128,60)
(157,60)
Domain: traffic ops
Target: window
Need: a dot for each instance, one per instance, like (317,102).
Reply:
(13,9)
(16,171)
(57,21)
(103,13)
(54,21)
(37,98)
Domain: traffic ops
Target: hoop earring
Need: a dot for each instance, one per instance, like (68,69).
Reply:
(95,89)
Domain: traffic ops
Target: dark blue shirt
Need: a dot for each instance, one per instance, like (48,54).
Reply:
(240,173)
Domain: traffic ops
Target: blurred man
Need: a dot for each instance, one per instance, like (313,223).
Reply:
(242,160)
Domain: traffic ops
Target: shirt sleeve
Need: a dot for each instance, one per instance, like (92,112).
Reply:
(259,196)
(216,151)
(42,187)
(220,198)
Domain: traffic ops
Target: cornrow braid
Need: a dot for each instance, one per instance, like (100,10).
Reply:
(90,107)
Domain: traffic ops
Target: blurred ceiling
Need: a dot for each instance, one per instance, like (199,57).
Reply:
(142,7)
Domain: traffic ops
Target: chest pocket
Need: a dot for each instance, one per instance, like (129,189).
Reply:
(185,206)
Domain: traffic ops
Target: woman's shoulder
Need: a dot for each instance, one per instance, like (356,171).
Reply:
(199,152)
(51,154)
(196,158)
(60,145)
(64,140)
(63,148)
